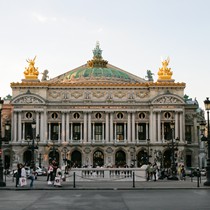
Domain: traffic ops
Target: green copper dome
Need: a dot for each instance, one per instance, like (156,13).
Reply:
(97,71)
(108,73)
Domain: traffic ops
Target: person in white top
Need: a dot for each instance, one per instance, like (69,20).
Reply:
(23,171)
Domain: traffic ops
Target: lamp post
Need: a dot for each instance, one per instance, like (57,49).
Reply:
(207,139)
(53,140)
(2,183)
(65,150)
(40,160)
(172,148)
(148,153)
(33,147)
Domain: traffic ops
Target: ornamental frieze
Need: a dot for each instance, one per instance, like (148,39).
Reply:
(98,94)
(142,94)
(77,94)
(119,94)
(54,94)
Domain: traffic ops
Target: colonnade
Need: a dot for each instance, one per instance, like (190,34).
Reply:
(154,126)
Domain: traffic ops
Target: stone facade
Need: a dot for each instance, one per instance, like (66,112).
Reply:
(107,117)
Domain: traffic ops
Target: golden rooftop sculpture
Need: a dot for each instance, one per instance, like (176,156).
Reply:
(31,73)
(165,73)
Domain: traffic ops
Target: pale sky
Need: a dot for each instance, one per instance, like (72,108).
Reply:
(133,34)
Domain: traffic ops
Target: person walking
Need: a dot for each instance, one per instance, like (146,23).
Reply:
(18,175)
(148,171)
(55,166)
(23,180)
(179,171)
(154,171)
(32,176)
(183,173)
(50,174)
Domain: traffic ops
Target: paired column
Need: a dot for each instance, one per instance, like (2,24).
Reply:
(107,128)
(85,127)
(129,127)
(133,127)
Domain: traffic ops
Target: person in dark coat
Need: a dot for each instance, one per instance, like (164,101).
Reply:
(18,174)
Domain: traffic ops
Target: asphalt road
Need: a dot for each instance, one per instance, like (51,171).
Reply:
(165,199)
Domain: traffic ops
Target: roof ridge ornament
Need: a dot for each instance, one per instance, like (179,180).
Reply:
(97,61)
(97,52)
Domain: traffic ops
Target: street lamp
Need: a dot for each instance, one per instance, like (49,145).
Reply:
(172,148)
(33,147)
(54,149)
(65,150)
(2,183)
(207,139)
(40,160)
(148,151)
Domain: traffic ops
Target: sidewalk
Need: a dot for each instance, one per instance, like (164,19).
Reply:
(41,184)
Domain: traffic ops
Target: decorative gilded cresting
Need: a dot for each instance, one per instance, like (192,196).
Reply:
(31,73)
(97,61)
(165,73)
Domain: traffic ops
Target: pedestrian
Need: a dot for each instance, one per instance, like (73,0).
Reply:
(23,180)
(183,174)
(55,166)
(50,174)
(32,176)
(179,171)
(148,171)
(18,174)
(154,171)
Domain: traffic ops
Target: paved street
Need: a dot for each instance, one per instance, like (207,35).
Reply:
(94,195)
(105,199)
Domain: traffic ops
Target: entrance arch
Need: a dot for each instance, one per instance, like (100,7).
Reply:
(167,159)
(120,159)
(76,159)
(54,155)
(142,158)
(98,158)
(27,157)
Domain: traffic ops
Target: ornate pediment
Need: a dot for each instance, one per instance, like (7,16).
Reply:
(28,99)
(168,99)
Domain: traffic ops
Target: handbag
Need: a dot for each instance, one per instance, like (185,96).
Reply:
(23,181)
(57,181)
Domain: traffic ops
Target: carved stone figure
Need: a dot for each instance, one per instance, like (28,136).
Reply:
(149,76)
(45,75)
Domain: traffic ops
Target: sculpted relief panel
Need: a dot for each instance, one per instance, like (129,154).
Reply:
(167,100)
(28,100)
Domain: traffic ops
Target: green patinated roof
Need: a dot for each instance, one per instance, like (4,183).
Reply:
(98,70)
